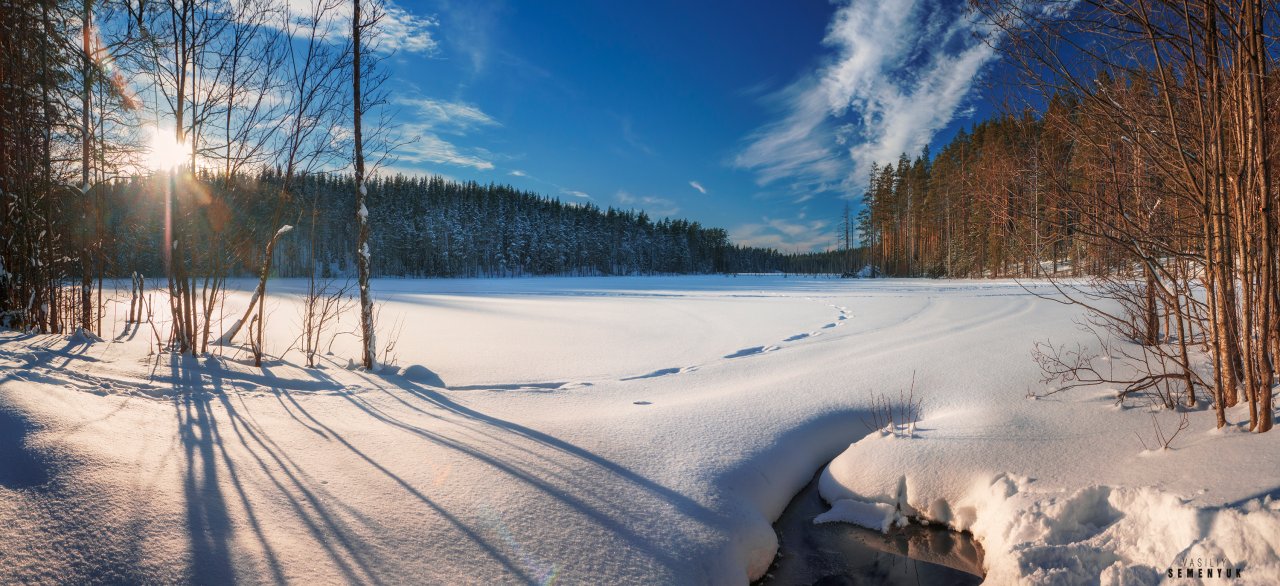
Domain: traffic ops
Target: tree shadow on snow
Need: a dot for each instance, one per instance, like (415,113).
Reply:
(560,470)
(232,465)
(209,465)
(210,420)
(41,354)
(20,466)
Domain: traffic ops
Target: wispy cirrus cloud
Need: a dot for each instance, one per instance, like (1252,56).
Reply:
(429,148)
(698,186)
(429,119)
(631,137)
(657,206)
(576,193)
(447,116)
(900,71)
(788,235)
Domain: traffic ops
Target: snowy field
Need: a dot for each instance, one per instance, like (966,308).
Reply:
(605,431)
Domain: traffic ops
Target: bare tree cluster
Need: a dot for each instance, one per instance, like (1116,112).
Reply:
(1173,109)
(240,86)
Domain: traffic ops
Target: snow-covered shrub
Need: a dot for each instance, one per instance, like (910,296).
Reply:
(897,416)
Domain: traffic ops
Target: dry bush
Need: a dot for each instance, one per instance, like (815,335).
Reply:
(1161,439)
(897,416)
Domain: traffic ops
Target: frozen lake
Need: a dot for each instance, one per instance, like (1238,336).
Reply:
(601,430)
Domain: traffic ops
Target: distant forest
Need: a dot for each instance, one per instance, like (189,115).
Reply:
(1001,199)
(426,227)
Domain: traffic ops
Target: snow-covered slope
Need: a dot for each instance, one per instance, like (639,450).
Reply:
(585,430)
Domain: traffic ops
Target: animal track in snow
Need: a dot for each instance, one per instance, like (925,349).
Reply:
(752,351)
(525,387)
(662,372)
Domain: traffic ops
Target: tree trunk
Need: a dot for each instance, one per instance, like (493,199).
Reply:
(369,352)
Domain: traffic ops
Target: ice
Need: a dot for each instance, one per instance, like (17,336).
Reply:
(878,516)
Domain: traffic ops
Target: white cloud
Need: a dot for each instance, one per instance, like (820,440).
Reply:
(398,30)
(785,235)
(698,186)
(453,117)
(430,148)
(576,193)
(518,173)
(432,118)
(405,32)
(656,206)
(901,70)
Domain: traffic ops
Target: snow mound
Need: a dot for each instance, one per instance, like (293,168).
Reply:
(83,336)
(422,375)
(1098,534)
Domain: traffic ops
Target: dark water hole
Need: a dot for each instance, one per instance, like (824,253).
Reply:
(840,553)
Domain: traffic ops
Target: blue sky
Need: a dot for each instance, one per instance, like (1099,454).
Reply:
(758,116)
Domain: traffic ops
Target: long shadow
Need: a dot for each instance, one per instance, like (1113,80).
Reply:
(208,516)
(20,466)
(277,571)
(321,524)
(538,478)
(471,534)
(212,482)
(42,355)
(208,521)
(682,503)
(215,368)
(505,432)
(207,513)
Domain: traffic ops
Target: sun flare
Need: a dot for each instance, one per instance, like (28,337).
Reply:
(165,151)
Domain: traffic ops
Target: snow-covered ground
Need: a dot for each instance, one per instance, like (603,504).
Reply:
(599,430)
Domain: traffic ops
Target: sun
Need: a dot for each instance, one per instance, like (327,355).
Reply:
(165,152)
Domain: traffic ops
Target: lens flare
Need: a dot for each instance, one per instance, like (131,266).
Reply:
(165,151)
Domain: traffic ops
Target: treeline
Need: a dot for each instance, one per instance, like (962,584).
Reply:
(1151,168)
(994,202)
(424,227)
(1146,160)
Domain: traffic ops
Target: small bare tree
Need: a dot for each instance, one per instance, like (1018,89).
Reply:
(325,303)
(1162,439)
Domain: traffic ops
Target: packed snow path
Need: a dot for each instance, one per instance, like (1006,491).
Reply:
(587,430)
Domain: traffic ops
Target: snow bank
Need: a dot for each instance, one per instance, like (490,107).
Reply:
(1113,521)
